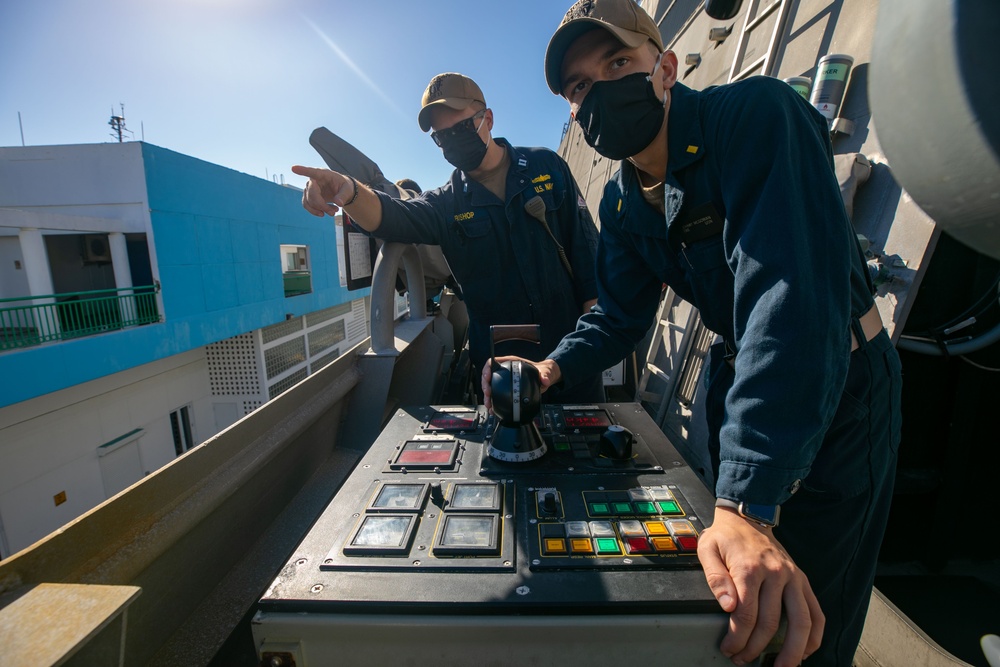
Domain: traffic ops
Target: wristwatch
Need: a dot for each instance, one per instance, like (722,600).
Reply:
(764,515)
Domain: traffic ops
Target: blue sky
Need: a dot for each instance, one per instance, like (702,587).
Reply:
(242,83)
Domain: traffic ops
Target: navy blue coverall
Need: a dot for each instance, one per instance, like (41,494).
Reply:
(757,238)
(507,265)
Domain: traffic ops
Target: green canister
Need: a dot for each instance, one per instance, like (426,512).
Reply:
(801,84)
(831,82)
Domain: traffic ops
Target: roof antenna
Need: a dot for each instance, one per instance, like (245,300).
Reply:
(117,124)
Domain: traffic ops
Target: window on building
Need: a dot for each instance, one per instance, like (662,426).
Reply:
(180,427)
(295,270)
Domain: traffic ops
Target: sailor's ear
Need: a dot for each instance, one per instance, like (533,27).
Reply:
(668,69)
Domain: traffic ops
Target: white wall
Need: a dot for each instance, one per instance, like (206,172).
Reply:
(13,280)
(51,444)
(97,180)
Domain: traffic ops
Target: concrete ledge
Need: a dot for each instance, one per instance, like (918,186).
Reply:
(49,623)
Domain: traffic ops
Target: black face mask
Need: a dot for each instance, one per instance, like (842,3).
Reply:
(463,147)
(620,118)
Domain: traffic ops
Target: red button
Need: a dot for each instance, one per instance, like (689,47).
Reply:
(688,543)
(637,545)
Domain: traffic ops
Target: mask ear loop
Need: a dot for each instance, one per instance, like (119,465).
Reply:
(649,78)
(482,122)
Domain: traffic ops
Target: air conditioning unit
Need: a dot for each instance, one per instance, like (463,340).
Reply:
(96,248)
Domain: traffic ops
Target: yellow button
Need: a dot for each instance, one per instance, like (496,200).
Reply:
(656,528)
(555,545)
(664,544)
(581,546)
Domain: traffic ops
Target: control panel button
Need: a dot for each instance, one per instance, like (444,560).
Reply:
(479,497)
(660,493)
(680,527)
(553,546)
(645,507)
(627,528)
(640,493)
(656,529)
(552,530)
(669,507)
(577,529)
(622,508)
(688,543)
(399,498)
(637,545)
(607,545)
(382,534)
(581,545)
(468,535)
(664,544)
(602,529)
(599,509)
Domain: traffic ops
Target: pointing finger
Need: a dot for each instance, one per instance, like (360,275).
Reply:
(308,172)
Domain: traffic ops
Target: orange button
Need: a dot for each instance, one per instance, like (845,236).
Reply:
(664,544)
(581,545)
(654,528)
(554,545)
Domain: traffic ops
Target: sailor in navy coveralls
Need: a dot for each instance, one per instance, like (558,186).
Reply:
(511,222)
(729,197)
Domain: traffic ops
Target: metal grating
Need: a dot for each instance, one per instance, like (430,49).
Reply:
(283,384)
(283,356)
(325,360)
(312,319)
(276,331)
(326,337)
(232,366)
(357,324)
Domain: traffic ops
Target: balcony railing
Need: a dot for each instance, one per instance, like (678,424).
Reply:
(297,282)
(28,321)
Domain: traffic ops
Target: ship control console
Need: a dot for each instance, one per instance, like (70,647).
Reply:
(564,535)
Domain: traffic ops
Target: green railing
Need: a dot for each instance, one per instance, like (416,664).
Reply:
(27,321)
(297,282)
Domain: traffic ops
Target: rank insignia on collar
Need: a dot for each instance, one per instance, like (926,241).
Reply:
(521,162)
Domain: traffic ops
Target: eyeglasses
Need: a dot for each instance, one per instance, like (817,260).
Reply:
(460,127)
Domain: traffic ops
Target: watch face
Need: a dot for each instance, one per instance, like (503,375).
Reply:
(763,513)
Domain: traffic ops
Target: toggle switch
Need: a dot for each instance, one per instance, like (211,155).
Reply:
(437,494)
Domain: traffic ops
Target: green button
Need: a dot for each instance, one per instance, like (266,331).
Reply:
(561,446)
(608,545)
(599,508)
(623,508)
(669,507)
(645,507)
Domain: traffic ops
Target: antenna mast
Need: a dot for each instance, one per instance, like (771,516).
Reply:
(117,123)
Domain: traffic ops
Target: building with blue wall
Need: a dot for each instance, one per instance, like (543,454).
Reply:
(148,300)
